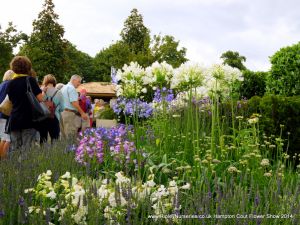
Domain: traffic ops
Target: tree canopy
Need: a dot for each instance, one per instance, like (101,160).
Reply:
(9,39)
(284,76)
(166,49)
(46,46)
(233,59)
(135,34)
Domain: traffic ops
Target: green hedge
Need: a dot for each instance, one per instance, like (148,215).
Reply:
(276,111)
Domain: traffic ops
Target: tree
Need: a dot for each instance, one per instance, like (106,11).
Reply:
(166,49)
(135,46)
(9,39)
(284,76)
(116,55)
(46,46)
(254,84)
(234,59)
(135,34)
(79,63)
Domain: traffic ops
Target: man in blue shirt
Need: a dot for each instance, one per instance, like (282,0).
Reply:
(72,114)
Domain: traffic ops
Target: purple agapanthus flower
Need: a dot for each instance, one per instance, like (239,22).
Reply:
(163,94)
(133,107)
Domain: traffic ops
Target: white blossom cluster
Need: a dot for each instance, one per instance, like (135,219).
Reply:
(131,77)
(68,197)
(65,196)
(188,76)
(136,82)
(158,75)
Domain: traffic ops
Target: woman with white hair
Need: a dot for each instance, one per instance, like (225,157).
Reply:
(5,138)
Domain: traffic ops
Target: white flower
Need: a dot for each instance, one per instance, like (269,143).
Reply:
(150,183)
(265,162)
(121,179)
(107,212)
(144,90)
(105,181)
(67,175)
(65,183)
(268,174)
(28,190)
(112,200)
(48,184)
(232,169)
(31,209)
(78,195)
(49,173)
(51,195)
(253,120)
(103,192)
(187,186)
(79,216)
(74,181)
(172,183)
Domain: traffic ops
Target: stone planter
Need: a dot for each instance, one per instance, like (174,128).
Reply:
(106,123)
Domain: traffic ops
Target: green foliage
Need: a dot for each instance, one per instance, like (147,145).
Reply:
(254,84)
(107,114)
(116,55)
(134,46)
(166,49)
(9,39)
(279,115)
(284,75)
(79,63)
(233,59)
(135,34)
(46,46)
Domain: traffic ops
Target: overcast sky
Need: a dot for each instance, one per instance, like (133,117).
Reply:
(207,28)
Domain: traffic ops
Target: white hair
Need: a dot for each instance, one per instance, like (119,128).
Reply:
(75,77)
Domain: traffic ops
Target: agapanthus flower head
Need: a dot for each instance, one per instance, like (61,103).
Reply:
(159,74)
(133,107)
(188,76)
(163,94)
(130,80)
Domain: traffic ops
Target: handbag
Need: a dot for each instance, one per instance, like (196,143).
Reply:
(39,109)
(6,106)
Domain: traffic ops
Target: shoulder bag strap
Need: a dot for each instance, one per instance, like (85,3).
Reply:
(28,85)
(54,95)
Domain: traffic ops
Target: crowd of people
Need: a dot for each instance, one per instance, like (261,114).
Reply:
(70,112)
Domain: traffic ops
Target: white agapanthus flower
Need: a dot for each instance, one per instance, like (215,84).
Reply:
(188,75)
(158,74)
(51,195)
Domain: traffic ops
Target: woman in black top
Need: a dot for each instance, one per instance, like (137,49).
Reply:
(21,126)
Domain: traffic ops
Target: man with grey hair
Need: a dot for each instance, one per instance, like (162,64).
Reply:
(72,114)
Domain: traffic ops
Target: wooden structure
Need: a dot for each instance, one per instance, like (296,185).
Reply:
(103,90)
